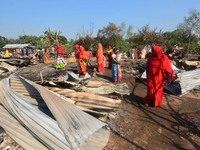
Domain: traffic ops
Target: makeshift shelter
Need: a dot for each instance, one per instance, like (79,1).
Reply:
(23,49)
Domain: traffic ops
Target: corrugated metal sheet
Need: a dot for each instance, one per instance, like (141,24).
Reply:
(70,129)
(12,46)
(18,132)
(189,80)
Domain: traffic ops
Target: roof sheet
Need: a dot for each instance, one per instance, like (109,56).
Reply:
(16,45)
(70,128)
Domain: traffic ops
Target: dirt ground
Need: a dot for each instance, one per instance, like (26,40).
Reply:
(175,125)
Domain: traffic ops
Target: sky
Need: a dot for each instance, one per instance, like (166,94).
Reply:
(73,17)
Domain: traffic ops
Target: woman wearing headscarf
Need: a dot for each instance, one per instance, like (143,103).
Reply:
(46,57)
(60,57)
(59,51)
(158,69)
(100,58)
(83,58)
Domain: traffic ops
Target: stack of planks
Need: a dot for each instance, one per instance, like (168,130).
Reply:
(96,103)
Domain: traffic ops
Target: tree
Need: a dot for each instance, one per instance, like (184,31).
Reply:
(173,38)
(146,36)
(87,41)
(190,26)
(62,39)
(130,32)
(29,39)
(50,38)
(122,28)
(150,36)
(3,41)
(109,35)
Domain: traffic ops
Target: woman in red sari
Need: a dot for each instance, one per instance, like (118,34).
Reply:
(158,69)
(83,57)
(100,58)
(60,57)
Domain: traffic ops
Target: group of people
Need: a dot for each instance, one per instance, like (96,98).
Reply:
(136,54)
(42,56)
(113,56)
(159,69)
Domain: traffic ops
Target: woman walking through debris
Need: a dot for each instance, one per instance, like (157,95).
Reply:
(158,69)
(100,58)
(83,57)
(60,57)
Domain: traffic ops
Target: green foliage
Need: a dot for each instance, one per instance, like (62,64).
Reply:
(150,36)
(3,41)
(50,38)
(109,35)
(146,36)
(124,46)
(28,39)
(70,46)
(197,48)
(62,39)
(190,26)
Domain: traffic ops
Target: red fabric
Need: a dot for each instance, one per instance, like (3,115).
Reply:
(99,56)
(158,68)
(59,50)
(77,47)
(82,59)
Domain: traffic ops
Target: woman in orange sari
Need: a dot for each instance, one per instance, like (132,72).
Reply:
(83,58)
(100,58)
(158,69)
(46,57)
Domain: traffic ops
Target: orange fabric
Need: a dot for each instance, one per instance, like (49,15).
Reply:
(158,68)
(83,57)
(99,56)
(46,58)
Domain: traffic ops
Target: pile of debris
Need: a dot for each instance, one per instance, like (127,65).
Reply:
(38,116)
(187,76)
